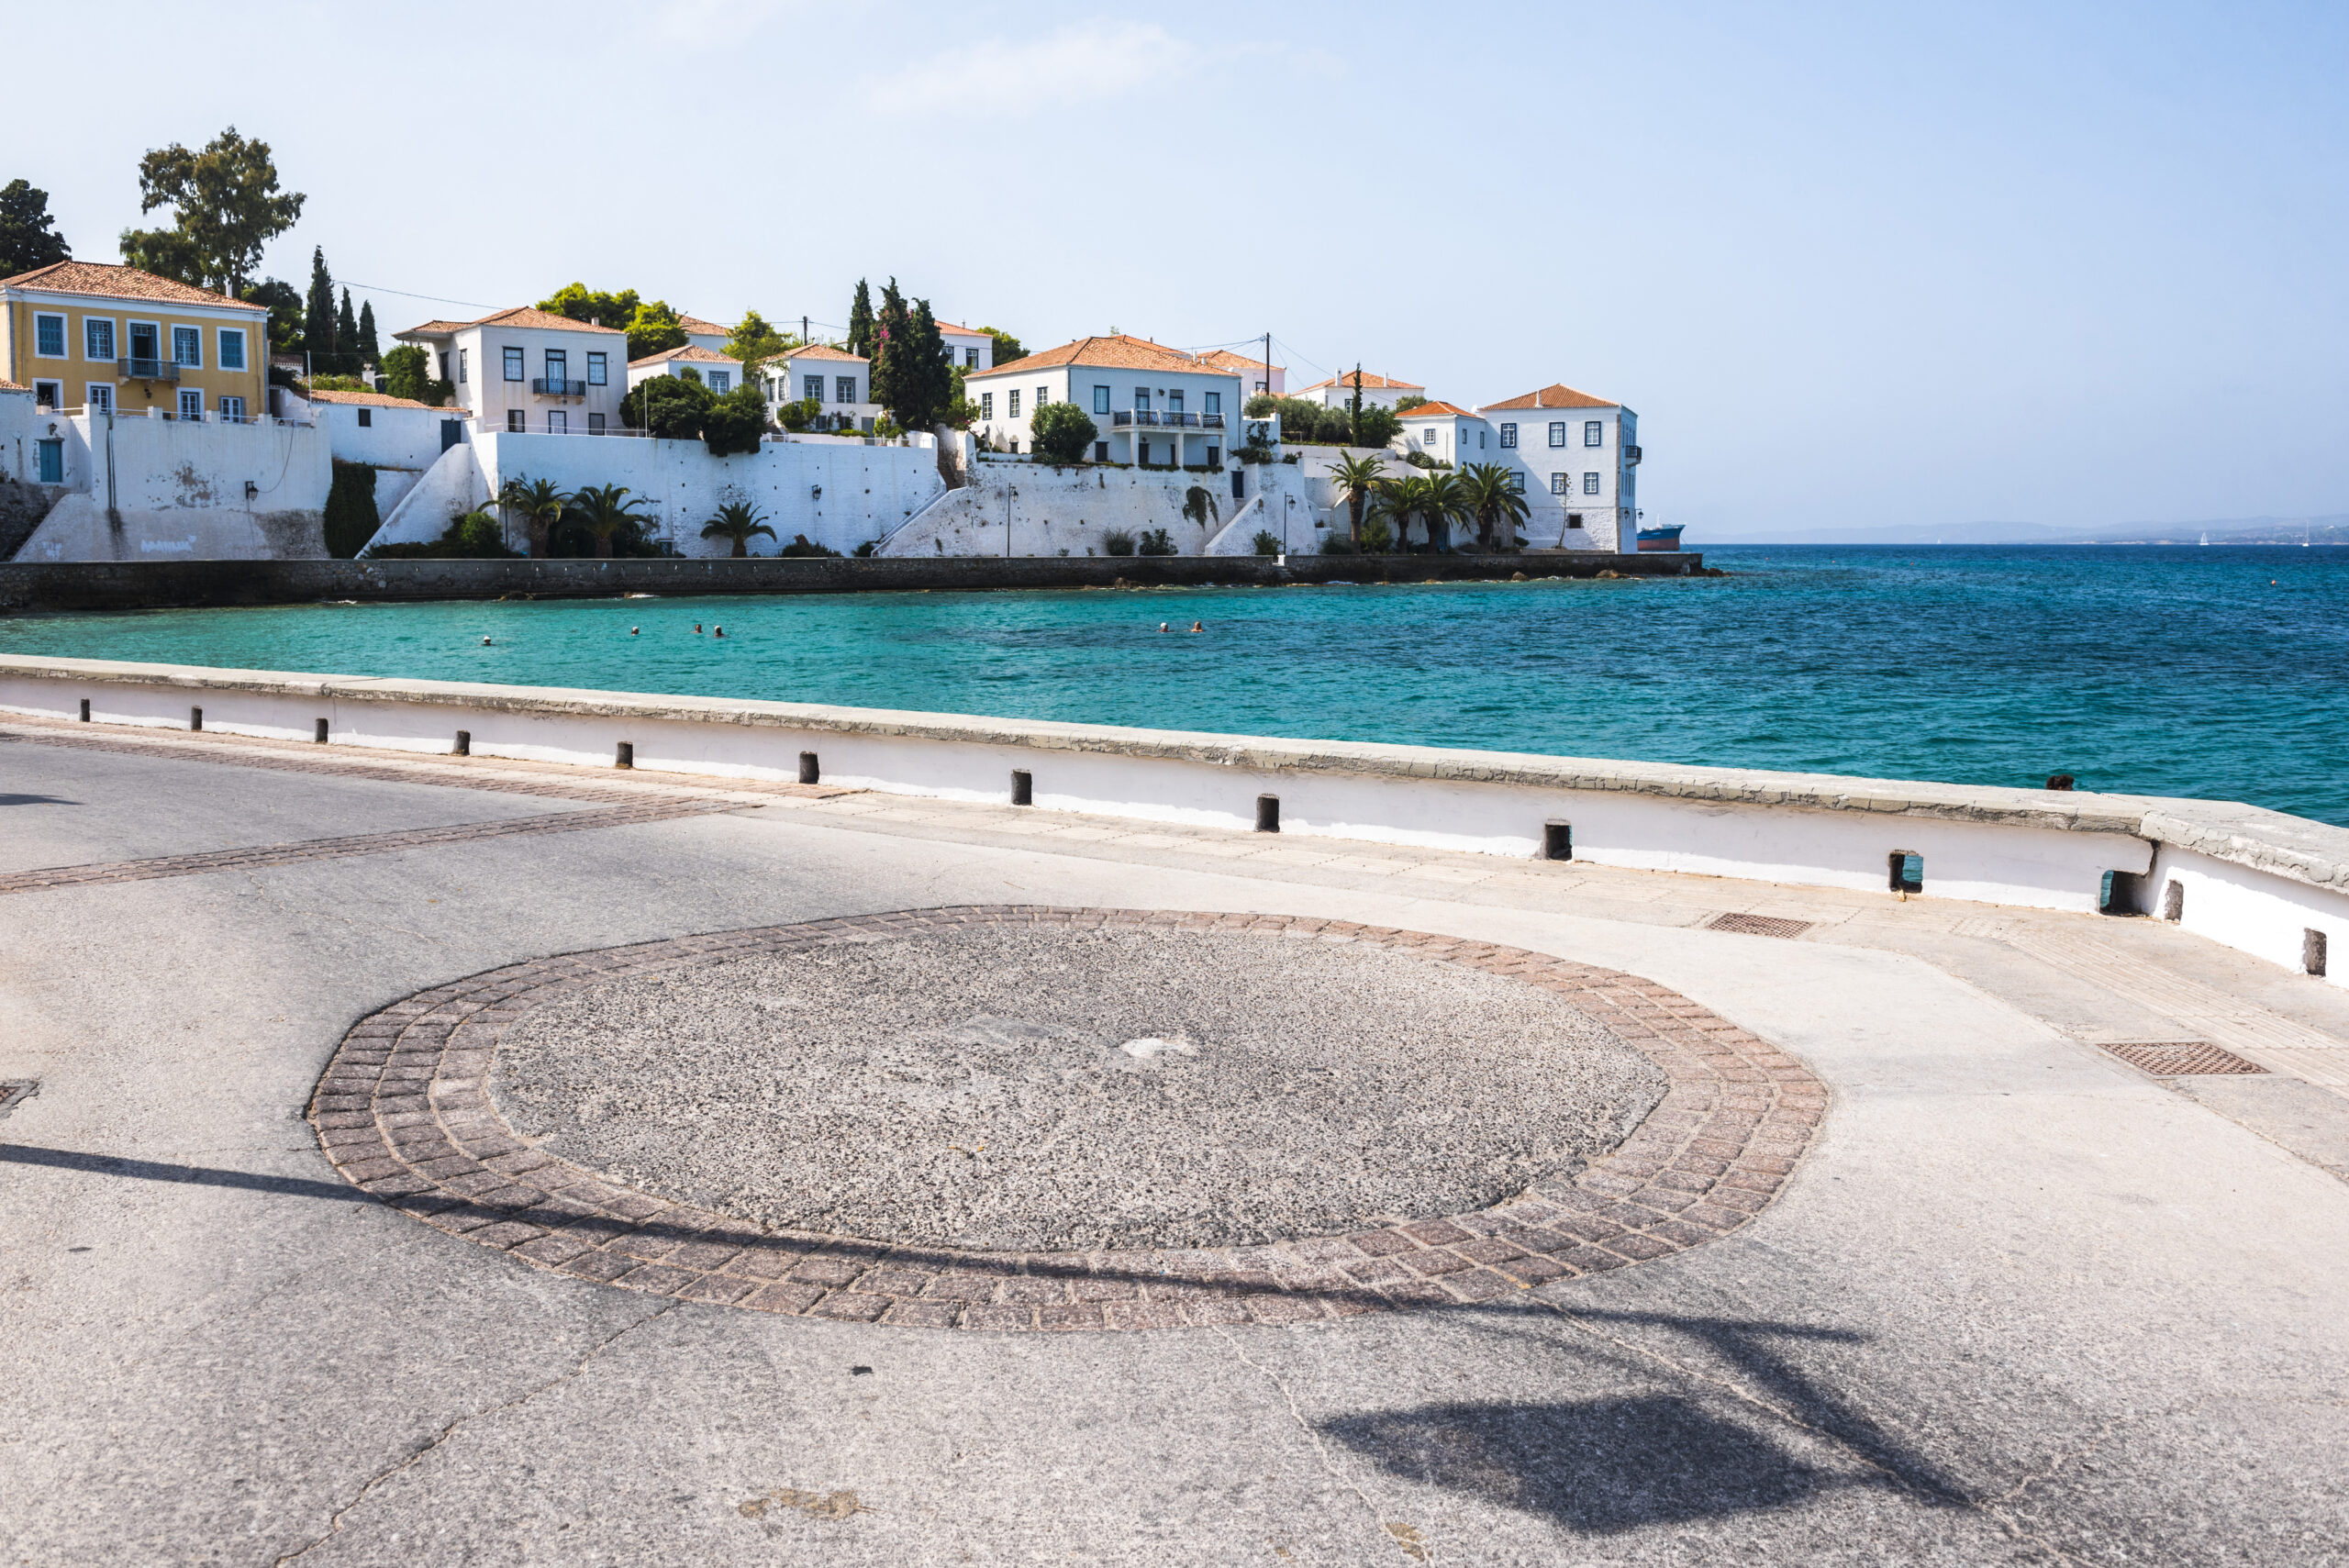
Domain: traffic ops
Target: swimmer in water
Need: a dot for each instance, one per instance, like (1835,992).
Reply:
(1197,627)
(696,628)
(485,642)
(717,631)
(634,630)
(1161,626)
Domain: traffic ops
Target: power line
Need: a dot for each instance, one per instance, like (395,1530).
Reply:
(404,294)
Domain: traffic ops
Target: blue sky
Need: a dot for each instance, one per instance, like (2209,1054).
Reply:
(1854,266)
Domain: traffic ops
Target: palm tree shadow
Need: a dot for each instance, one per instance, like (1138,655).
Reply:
(1599,1466)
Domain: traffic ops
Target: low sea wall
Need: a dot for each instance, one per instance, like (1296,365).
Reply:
(2273,885)
(178,584)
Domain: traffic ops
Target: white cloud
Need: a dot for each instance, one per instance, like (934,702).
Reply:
(1077,64)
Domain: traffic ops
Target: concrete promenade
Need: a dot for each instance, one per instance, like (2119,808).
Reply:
(2015,1301)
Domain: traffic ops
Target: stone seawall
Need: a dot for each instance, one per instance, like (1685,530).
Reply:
(174,585)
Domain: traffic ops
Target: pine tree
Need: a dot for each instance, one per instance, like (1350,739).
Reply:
(369,349)
(1353,410)
(892,331)
(345,337)
(860,322)
(927,380)
(317,314)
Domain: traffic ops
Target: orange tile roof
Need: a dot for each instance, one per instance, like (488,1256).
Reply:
(1120,353)
(1370,383)
(693,351)
(111,281)
(377,400)
(1558,394)
(7,385)
(948,329)
(1224,358)
(700,328)
(520,316)
(823,351)
(1437,410)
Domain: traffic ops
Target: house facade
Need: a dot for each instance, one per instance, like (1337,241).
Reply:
(838,382)
(1445,433)
(89,334)
(1255,375)
(693,363)
(1579,456)
(1338,392)
(967,349)
(1151,403)
(524,370)
(701,334)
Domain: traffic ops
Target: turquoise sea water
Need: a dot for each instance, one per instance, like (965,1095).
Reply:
(2212,672)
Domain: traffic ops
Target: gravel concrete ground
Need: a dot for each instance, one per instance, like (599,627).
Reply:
(1056,1090)
(2020,1304)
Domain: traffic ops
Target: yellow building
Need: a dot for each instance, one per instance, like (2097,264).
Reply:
(88,335)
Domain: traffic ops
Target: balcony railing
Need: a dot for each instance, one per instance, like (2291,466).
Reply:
(545,386)
(1134,417)
(147,370)
(1166,416)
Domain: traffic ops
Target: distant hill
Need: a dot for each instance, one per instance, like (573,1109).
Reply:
(2330,529)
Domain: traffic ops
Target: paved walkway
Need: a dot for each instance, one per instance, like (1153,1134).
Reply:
(2017,1302)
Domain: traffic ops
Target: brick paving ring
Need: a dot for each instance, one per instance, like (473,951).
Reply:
(1026,1118)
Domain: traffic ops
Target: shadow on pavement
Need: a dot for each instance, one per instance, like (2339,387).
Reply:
(191,1175)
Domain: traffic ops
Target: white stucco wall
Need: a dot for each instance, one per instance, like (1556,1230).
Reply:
(179,486)
(391,438)
(1609,518)
(1072,511)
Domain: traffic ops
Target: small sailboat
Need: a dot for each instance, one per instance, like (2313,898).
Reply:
(2206,537)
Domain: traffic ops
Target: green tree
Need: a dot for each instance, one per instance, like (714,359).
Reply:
(1356,478)
(653,329)
(668,408)
(285,312)
(603,511)
(369,349)
(1405,404)
(351,516)
(735,421)
(1489,493)
(892,331)
(1062,432)
(926,381)
(1377,427)
(1353,410)
(1007,347)
(757,345)
(540,503)
(580,303)
(860,321)
(27,238)
(737,520)
(226,205)
(345,337)
(407,373)
(317,313)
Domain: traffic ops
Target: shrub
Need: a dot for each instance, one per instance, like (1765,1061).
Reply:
(470,536)
(667,407)
(339,383)
(797,416)
(407,373)
(1197,503)
(1116,541)
(1379,426)
(1155,543)
(1405,404)
(1266,543)
(872,546)
(1062,432)
(1338,544)
(800,546)
(352,519)
(734,422)
(1377,538)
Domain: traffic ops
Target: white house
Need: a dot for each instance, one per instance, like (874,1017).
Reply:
(701,334)
(1338,392)
(1579,455)
(1255,375)
(529,370)
(692,362)
(841,382)
(1150,404)
(397,437)
(967,348)
(1444,432)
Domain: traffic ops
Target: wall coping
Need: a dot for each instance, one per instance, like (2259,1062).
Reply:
(2303,850)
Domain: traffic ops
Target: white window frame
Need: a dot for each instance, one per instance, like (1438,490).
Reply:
(114,338)
(844,389)
(1557,432)
(464,357)
(721,381)
(1012,404)
(1430,440)
(56,393)
(97,396)
(970,359)
(64,334)
(195,347)
(1590,484)
(516,362)
(1043,396)
(221,355)
(1509,436)
(1594,432)
(233,408)
(1212,402)
(1100,399)
(187,393)
(132,326)
(813,385)
(986,405)
(558,422)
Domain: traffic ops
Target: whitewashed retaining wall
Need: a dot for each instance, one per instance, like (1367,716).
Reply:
(179,486)
(2254,880)
(1072,511)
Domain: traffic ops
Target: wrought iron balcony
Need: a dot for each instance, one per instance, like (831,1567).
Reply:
(1134,417)
(545,386)
(1212,421)
(1631,457)
(147,370)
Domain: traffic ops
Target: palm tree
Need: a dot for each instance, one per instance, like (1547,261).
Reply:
(1490,492)
(603,510)
(1355,478)
(1443,503)
(1396,502)
(737,520)
(541,504)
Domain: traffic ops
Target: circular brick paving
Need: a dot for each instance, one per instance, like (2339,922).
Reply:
(403,1112)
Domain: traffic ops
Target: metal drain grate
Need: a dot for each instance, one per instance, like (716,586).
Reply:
(16,1091)
(2181,1058)
(1757,925)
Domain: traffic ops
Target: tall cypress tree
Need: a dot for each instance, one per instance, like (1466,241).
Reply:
(860,322)
(1354,409)
(892,331)
(345,337)
(369,349)
(317,314)
(930,376)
